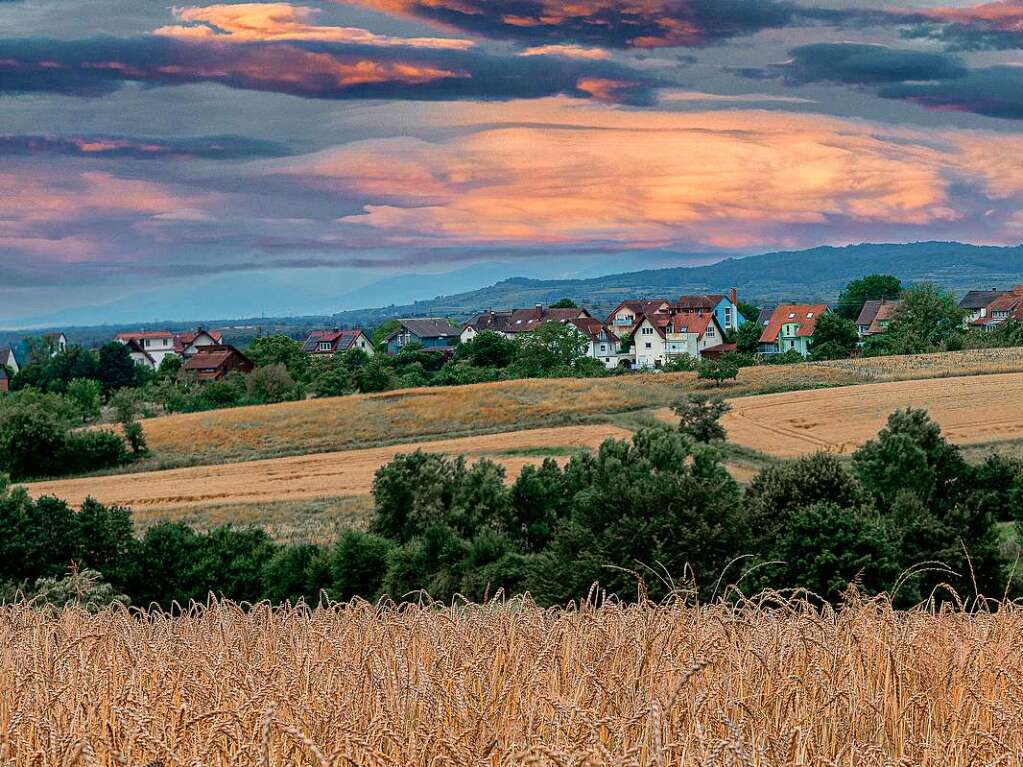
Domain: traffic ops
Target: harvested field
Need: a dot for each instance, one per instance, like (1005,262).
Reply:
(348,473)
(369,420)
(971,410)
(939,365)
(509,684)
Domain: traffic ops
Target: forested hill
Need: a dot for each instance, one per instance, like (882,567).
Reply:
(819,273)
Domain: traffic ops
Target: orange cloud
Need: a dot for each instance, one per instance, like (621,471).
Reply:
(568,51)
(267,22)
(1006,15)
(728,179)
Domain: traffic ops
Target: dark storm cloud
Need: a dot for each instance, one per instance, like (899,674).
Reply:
(857,64)
(99,66)
(124,147)
(607,23)
(933,80)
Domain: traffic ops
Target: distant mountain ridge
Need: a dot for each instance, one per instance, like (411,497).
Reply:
(818,274)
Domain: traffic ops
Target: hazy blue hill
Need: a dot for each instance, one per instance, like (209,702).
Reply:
(816,274)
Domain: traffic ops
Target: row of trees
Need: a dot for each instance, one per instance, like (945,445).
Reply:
(660,514)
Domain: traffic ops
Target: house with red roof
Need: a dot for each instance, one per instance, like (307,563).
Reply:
(188,343)
(628,314)
(988,309)
(212,363)
(659,338)
(791,328)
(327,343)
(875,317)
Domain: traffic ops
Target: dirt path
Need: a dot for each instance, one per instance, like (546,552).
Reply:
(321,475)
(971,410)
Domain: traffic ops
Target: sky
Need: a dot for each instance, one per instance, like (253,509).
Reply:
(233,159)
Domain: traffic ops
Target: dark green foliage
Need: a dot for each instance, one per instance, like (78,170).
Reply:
(700,418)
(163,571)
(85,451)
(230,562)
(552,350)
(873,287)
(538,502)
(487,349)
(928,318)
(270,384)
(31,439)
(279,350)
(750,312)
(136,438)
(297,573)
(432,562)
(107,540)
(825,547)
(358,565)
(375,376)
(747,338)
(717,371)
(564,303)
(658,508)
(834,338)
(117,370)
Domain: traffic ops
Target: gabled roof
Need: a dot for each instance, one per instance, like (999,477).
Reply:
(134,347)
(7,357)
(339,340)
(691,322)
(496,321)
(702,301)
(868,312)
(592,328)
(885,313)
(981,299)
(524,320)
(212,357)
(183,340)
(805,315)
(429,327)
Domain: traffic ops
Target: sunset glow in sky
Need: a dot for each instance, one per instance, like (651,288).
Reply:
(142,144)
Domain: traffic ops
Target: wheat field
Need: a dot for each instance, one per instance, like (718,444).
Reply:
(759,684)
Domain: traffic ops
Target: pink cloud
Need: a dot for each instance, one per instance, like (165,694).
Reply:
(267,22)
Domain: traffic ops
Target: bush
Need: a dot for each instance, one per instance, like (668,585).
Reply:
(717,371)
(31,441)
(358,565)
(85,451)
(84,394)
(700,418)
(270,384)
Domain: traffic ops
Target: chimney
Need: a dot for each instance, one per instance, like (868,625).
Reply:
(735,297)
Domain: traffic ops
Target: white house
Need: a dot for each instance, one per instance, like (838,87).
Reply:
(148,348)
(659,338)
(627,314)
(602,344)
(191,342)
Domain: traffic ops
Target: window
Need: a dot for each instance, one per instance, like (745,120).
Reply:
(728,316)
(648,331)
(324,346)
(603,347)
(809,315)
(710,330)
(792,315)
(649,345)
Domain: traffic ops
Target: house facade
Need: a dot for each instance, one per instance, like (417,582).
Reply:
(511,323)
(987,309)
(212,363)
(660,338)
(791,328)
(189,343)
(602,344)
(628,314)
(327,343)
(875,317)
(148,348)
(432,332)
(5,381)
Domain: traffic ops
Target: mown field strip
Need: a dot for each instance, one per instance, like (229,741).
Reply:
(348,473)
(971,410)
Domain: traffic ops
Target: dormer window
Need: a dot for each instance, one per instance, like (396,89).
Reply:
(324,346)
(809,315)
(792,315)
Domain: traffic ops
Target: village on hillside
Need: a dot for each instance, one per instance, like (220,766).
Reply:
(638,334)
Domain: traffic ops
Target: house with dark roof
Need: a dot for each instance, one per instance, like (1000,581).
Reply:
(431,332)
(327,343)
(989,308)
(791,327)
(511,323)
(212,363)
(602,344)
(875,316)
(725,308)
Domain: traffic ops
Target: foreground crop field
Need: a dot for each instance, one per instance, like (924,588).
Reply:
(321,475)
(971,410)
(509,684)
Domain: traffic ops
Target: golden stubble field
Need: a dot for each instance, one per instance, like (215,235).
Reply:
(320,475)
(510,684)
(970,410)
